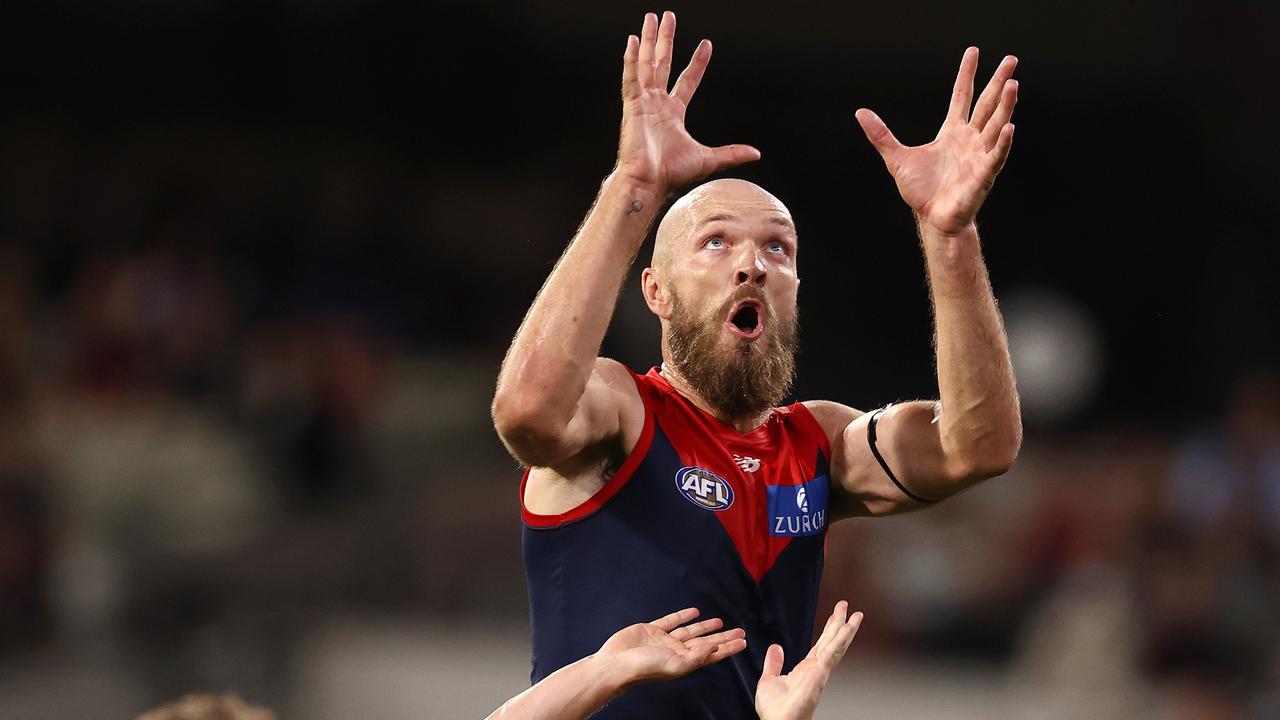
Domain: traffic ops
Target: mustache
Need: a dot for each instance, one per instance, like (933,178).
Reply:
(746,379)
(745,292)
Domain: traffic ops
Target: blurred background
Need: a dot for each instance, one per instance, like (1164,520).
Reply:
(260,261)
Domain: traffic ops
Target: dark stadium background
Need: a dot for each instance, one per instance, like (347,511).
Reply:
(259,262)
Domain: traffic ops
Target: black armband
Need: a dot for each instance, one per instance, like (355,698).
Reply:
(871,440)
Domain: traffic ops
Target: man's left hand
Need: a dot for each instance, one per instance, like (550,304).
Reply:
(946,181)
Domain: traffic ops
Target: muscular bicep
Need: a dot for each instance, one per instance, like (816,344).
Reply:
(908,444)
(608,407)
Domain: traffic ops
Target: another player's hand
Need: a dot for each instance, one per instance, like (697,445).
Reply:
(666,648)
(946,181)
(795,696)
(655,149)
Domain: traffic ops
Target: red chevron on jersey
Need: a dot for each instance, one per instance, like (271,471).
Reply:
(698,515)
(768,472)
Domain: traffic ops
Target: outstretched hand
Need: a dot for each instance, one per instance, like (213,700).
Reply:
(947,180)
(795,696)
(655,149)
(666,648)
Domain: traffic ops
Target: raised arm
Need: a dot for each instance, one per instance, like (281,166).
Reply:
(555,397)
(931,450)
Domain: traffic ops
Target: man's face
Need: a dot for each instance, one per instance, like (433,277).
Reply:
(730,274)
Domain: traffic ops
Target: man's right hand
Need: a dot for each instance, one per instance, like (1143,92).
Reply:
(655,150)
(555,398)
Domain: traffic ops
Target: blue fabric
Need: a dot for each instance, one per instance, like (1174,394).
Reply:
(650,551)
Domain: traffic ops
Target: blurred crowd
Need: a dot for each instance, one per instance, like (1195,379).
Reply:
(205,436)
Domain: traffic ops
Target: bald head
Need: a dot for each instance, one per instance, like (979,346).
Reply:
(724,284)
(720,199)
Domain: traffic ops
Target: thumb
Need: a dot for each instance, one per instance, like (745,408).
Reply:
(877,132)
(727,156)
(772,662)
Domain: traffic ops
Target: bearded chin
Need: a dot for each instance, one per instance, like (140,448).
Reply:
(742,381)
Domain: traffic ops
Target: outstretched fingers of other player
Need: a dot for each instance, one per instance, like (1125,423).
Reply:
(840,644)
(729,648)
(990,96)
(687,84)
(699,628)
(723,645)
(829,630)
(878,133)
(962,93)
(1008,100)
(697,652)
(711,649)
(664,48)
(667,623)
(722,637)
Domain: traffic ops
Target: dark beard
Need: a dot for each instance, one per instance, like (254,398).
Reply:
(756,376)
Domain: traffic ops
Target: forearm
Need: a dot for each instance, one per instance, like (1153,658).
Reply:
(979,423)
(570,693)
(553,353)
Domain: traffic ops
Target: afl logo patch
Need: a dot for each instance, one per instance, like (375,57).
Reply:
(704,488)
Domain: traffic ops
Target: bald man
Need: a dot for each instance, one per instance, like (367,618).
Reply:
(689,485)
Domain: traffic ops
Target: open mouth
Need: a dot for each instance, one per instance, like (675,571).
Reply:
(746,319)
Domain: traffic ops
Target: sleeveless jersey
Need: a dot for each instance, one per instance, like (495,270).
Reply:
(698,515)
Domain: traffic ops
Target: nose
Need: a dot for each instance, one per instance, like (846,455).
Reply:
(750,267)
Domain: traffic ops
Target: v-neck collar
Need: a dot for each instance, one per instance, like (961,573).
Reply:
(656,372)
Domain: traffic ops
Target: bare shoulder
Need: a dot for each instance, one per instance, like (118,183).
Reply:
(610,413)
(834,417)
(618,380)
(616,376)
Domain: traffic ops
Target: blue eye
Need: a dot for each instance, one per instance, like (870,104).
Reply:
(776,247)
(714,243)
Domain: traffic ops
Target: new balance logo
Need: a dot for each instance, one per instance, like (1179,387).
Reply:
(748,464)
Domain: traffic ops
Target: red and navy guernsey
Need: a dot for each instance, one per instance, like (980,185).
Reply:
(698,515)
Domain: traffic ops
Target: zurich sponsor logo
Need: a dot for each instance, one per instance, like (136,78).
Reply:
(704,488)
(796,510)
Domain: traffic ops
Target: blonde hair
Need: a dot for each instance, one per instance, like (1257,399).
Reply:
(208,707)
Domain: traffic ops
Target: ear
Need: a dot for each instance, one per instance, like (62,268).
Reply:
(655,293)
